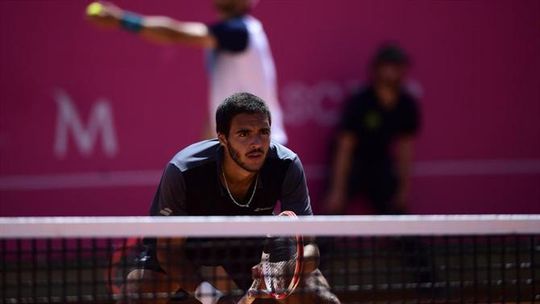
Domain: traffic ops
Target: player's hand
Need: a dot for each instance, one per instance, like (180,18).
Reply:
(258,283)
(255,291)
(311,258)
(104,14)
(258,288)
(335,202)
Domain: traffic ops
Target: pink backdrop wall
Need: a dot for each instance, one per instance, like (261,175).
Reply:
(476,71)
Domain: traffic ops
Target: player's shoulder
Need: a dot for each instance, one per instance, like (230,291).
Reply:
(281,153)
(250,20)
(196,155)
(360,101)
(362,96)
(235,23)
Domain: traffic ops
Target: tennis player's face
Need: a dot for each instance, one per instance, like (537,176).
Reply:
(390,74)
(248,140)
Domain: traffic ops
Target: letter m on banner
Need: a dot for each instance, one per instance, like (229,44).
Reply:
(68,121)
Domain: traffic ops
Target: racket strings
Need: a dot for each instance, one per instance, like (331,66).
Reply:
(278,264)
(279,271)
(278,275)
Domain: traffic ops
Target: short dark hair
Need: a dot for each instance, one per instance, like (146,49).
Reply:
(390,53)
(239,103)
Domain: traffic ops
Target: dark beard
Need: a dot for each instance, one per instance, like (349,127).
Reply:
(236,158)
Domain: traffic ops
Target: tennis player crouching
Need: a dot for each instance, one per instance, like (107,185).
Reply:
(240,173)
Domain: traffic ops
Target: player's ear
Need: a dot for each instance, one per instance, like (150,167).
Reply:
(222,139)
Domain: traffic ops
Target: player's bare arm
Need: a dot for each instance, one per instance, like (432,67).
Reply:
(166,29)
(311,256)
(346,143)
(404,152)
(154,28)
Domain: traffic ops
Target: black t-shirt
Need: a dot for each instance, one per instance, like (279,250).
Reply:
(191,184)
(376,127)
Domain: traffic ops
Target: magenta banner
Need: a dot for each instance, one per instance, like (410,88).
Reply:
(89,117)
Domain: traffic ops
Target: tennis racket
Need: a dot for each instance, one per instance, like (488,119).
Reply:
(280,269)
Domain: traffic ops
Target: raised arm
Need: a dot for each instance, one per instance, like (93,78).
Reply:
(155,28)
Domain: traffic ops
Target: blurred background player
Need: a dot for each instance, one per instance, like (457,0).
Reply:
(374,144)
(239,57)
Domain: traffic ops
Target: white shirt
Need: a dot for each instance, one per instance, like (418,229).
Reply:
(251,70)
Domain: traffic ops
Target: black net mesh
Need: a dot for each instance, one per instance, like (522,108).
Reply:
(434,269)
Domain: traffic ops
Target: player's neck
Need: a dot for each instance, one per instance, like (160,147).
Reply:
(235,174)
(387,96)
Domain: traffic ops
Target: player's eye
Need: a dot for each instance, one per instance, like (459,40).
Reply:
(265,131)
(243,133)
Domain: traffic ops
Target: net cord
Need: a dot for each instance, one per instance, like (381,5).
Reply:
(403,225)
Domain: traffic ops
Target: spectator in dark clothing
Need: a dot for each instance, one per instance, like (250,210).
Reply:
(374,144)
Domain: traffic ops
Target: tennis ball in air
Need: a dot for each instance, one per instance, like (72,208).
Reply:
(94,9)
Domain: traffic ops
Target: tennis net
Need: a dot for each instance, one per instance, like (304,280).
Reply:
(377,259)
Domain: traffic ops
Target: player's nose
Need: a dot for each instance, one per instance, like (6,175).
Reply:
(256,141)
